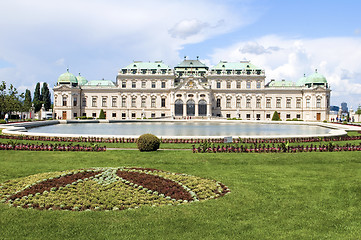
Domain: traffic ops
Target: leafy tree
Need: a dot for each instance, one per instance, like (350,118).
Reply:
(276,116)
(27,101)
(45,95)
(2,98)
(358,111)
(101,114)
(37,101)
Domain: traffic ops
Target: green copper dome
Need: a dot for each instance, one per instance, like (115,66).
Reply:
(67,78)
(81,80)
(302,81)
(316,79)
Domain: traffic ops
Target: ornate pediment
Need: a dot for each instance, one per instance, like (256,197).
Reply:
(191,83)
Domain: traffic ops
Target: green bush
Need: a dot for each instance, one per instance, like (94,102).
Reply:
(2,121)
(276,116)
(148,142)
(101,114)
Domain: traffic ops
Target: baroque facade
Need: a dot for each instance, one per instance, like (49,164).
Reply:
(192,90)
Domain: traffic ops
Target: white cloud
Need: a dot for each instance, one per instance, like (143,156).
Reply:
(187,27)
(289,58)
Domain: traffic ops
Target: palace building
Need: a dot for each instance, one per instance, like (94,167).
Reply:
(192,90)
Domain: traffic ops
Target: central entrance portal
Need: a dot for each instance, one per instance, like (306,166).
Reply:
(190,108)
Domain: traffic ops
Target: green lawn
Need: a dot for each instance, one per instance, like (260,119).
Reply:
(273,196)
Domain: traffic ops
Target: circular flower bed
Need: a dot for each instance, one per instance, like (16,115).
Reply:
(107,189)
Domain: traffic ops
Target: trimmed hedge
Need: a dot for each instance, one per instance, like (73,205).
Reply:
(148,142)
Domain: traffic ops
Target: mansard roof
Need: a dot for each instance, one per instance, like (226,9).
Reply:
(191,64)
(224,65)
(147,65)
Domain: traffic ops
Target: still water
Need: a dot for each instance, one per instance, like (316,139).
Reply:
(183,129)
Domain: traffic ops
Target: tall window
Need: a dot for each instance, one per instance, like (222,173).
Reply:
(84,102)
(228,84)
(278,102)
(134,84)
(114,101)
(143,102)
(94,102)
(218,84)
(124,102)
(228,103)
(248,84)
(238,84)
(153,84)
(144,84)
(124,84)
(258,103)
(258,84)
(288,103)
(218,103)
(268,103)
(163,102)
(238,103)
(152,103)
(75,101)
(248,103)
(65,100)
(104,102)
(55,101)
(318,103)
(298,103)
(163,84)
(308,103)
(134,102)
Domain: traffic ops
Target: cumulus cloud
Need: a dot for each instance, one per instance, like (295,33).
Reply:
(187,27)
(336,58)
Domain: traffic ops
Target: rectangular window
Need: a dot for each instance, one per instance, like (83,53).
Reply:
(124,84)
(114,115)
(94,115)
(84,102)
(163,84)
(238,103)
(163,102)
(288,103)
(218,103)
(143,104)
(298,116)
(268,103)
(55,101)
(94,102)
(124,102)
(133,115)
(75,101)
(218,84)
(318,103)
(114,102)
(288,116)
(104,102)
(258,116)
(248,84)
(268,115)
(228,103)
(258,84)
(238,84)
(152,104)
(134,102)
(124,115)
(248,103)
(75,115)
(248,116)
(84,114)
(228,84)
(278,102)
(308,103)
(228,115)
(65,100)
(134,84)
(258,103)
(152,115)
(298,103)
(144,84)
(153,84)
(162,114)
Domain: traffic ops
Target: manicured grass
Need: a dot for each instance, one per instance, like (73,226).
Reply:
(273,196)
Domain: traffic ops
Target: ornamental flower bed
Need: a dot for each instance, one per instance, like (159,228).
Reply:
(107,189)
(274,148)
(50,147)
(182,140)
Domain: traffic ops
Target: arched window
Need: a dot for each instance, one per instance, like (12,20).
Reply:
(178,107)
(190,107)
(202,108)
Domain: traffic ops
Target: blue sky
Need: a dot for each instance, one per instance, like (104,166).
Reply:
(40,39)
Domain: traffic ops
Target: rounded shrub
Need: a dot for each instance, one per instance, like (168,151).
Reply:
(148,142)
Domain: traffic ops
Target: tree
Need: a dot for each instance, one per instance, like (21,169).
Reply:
(27,101)
(358,111)
(2,98)
(101,114)
(37,98)
(45,95)
(276,116)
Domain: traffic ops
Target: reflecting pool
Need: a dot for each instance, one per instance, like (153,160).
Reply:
(183,129)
